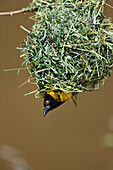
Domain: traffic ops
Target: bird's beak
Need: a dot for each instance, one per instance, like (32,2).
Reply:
(46,109)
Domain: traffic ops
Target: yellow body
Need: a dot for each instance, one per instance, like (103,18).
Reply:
(60,95)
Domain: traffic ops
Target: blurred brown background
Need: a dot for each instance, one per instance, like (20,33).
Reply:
(68,138)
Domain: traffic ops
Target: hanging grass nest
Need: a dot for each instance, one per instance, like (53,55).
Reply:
(70,47)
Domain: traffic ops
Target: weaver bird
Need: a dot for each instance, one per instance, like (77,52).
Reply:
(54,99)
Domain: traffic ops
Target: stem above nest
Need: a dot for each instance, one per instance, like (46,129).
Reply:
(15,12)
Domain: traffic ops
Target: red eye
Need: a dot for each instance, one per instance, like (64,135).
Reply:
(47,102)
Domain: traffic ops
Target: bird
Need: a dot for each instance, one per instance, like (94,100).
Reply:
(54,99)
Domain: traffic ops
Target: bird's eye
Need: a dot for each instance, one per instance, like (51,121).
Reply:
(47,102)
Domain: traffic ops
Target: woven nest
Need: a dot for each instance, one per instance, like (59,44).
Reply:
(70,47)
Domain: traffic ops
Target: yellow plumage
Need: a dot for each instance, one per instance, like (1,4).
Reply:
(60,95)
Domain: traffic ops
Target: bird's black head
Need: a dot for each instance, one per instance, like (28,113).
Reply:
(50,103)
